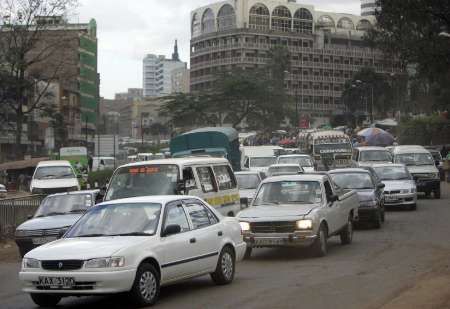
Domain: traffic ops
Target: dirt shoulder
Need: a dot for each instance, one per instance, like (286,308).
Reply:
(432,291)
(8,252)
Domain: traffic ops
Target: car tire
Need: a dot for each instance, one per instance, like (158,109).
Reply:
(320,245)
(248,253)
(145,290)
(378,221)
(225,269)
(347,233)
(383,215)
(45,300)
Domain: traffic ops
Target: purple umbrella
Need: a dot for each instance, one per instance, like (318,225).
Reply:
(377,137)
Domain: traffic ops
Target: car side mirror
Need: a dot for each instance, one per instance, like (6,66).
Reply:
(171,230)
(334,198)
(381,186)
(244,202)
(181,187)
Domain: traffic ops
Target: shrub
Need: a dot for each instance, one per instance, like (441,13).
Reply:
(101,177)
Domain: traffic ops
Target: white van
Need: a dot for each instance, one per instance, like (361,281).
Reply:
(103,163)
(211,179)
(54,177)
(421,165)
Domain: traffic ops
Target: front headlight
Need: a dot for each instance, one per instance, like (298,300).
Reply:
(245,226)
(112,262)
(30,263)
(20,233)
(304,225)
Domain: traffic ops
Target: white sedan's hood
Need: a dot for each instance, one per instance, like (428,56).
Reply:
(54,183)
(394,185)
(84,248)
(277,211)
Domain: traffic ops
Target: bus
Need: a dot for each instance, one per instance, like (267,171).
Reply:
(213,141)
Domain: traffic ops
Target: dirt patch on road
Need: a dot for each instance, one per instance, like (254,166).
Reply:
(432,291)
(8,251)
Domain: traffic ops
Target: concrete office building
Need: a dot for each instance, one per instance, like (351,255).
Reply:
(157,73)
(368,7)
(326,48)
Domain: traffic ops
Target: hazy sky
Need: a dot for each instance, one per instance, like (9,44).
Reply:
(128,30)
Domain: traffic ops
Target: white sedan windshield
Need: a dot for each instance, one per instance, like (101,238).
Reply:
(118,220)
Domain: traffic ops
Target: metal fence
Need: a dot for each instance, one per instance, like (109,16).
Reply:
(15,211)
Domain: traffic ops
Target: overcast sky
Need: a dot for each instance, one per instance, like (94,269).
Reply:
(128,30)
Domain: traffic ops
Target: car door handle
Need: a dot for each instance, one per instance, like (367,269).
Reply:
(220,233)
(192,240)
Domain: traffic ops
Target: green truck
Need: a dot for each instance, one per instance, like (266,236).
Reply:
(214,141)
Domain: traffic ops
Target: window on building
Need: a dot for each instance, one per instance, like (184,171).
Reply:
(325,21)
(226,18)
(208,21)
(303,21)
(346,23)
(259,17)
(281,19)
(195,26)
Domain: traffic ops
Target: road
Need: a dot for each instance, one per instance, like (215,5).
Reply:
(387,268)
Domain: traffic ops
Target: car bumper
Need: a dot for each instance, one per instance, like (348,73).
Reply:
(240,251)
(86,283)
(400,199)
(367,214)
(428,185)
(298,239)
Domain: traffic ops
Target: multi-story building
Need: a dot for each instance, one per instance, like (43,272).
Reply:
(180,80)
(326,48)
(369,7)
(157,73)
(67,54)
(132,94)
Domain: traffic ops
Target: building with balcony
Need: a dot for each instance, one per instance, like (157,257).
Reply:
(326,48)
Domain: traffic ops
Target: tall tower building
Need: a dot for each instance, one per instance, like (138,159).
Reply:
(368,7)
(158,71)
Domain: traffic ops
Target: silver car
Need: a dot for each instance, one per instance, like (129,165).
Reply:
(400,189)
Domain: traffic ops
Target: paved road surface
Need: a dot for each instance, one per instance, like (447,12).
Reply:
(376,268)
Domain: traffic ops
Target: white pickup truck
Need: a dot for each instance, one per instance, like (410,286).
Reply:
(299,211)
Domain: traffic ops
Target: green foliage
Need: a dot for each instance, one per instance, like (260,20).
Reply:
(431,130)
(413,30)
(358,90)
(255,95)
(99,177)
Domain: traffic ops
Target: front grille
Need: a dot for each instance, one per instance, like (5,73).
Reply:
(273,227)
(62,265)
(392,192)
(77,287)
(55,190)
(40,233)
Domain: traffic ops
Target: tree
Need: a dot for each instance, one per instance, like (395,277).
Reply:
(359,90)
(414,31)
(31,59)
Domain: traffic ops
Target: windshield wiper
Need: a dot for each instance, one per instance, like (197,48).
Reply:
(92,235)
(132,234)
(53,214)
(77,211)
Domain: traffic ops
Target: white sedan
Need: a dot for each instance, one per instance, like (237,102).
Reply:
(135,245)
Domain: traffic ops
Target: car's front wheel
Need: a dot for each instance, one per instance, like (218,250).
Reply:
(224,273)
(320,246)
(347,233)
(45,300)
(145,290)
